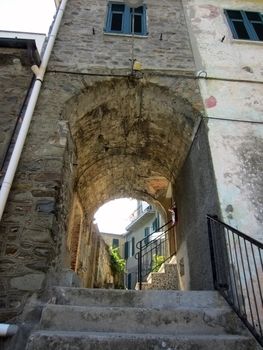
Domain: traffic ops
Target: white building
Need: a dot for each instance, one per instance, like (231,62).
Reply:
(227,40)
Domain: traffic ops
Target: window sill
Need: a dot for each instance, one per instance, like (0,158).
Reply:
(127,35)
(242,41)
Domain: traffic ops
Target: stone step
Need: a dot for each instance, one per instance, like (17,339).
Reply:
(133,298)
(166,270)
(167,280)
(54,340)
(177,320)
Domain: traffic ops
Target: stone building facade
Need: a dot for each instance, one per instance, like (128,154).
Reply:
(100,133)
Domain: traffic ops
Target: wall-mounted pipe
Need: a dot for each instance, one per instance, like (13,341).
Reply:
(10,173)
(8,330)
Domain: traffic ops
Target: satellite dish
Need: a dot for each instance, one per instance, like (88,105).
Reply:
(134,3)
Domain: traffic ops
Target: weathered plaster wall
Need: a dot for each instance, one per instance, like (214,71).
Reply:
(195,185)
(233,97)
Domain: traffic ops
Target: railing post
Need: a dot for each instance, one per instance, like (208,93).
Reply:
(140,266)
(212,253)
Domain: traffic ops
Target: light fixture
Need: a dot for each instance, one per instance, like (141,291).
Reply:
(133,3)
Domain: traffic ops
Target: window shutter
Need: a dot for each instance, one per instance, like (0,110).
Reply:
(146,234)
(133,246)
(115,243)
(126,250)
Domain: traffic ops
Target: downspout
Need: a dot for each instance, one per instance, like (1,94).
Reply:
(39,72)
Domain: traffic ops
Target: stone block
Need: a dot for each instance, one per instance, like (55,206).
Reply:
(30,282)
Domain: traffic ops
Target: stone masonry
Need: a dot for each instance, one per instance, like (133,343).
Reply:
(98,134)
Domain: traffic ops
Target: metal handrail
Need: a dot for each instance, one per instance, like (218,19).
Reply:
(146,249)
(237,266)
(151,234)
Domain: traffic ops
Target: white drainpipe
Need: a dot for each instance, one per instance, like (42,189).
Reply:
(7,330)
(39,72)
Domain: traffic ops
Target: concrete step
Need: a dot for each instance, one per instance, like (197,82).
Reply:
(133,298)
(119,341)
(97,319)
(165,271)
(167,280)
(176,320)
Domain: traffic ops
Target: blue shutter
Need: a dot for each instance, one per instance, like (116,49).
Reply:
(126,250)
(155,225)
(146,235)
(129,280)
(133,246)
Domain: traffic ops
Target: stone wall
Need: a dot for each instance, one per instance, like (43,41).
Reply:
(14,67)
(82,45)
(99,134)
(15,77)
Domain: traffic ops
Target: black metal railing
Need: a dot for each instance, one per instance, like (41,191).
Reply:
(153,251)
(237,265)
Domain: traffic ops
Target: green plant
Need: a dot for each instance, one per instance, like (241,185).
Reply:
(157,262)
(117,263)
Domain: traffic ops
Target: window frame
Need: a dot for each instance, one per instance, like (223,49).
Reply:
(115,243)
(253,36)
(126,20)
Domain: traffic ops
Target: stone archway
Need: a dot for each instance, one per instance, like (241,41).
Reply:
(102,138)
(131,139)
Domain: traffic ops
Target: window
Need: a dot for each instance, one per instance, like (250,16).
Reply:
(155,224)
(245,25)
(125,20)
(115,243)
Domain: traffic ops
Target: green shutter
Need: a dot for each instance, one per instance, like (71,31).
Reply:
(133,246)
(146,234)
(126,250)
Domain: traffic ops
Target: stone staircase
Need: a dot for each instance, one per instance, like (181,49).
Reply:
(165,279)
(97,319)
